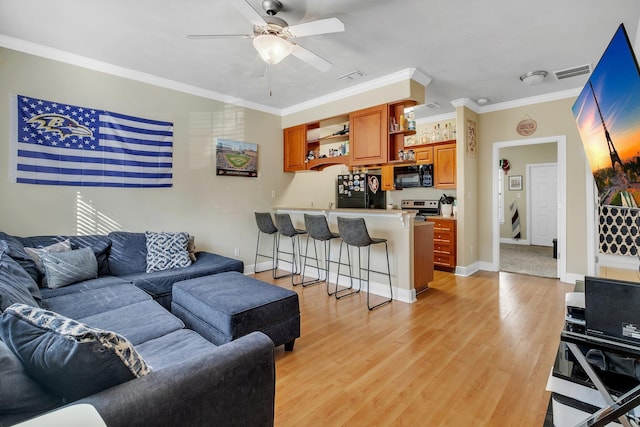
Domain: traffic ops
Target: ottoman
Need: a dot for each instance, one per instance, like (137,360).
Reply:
(226,306)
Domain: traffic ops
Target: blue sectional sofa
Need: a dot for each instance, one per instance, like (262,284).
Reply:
(191,382)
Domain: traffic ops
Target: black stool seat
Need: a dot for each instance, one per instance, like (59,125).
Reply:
(265,226)
(286,228)
(318,230)
(353,232)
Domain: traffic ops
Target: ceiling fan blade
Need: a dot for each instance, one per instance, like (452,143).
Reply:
(321,26)
(259,67)
(249,12)
(219,36)
(311,58)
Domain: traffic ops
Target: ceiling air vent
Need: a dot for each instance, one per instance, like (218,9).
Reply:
(356,74)
(572,72)
(432,105)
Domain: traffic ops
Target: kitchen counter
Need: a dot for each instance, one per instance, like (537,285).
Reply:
(395,225)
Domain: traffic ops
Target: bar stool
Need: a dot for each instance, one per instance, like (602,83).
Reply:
(353,232)
(318,230)
(286,228)
(265,226)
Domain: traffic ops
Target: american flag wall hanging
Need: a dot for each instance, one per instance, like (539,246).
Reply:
(54,143)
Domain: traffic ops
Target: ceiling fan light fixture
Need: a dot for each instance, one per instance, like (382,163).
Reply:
(533,78)
(272,49)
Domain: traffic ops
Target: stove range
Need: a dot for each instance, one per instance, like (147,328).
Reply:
(424,207)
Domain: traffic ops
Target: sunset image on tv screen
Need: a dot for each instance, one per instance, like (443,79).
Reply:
(607,113)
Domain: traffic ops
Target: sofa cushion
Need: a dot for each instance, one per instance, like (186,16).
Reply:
(177,346)
(17,252)
(93,301)
(84,286)
(19,394)
(128,253)
(160,283)
(126,321)
(100,245)
(167,251)
(36,253)
(65,268)
(68,358)
(16,286)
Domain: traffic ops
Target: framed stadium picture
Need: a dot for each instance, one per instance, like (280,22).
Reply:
(236,158)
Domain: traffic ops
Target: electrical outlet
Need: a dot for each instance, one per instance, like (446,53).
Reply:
(273,194)
(236,252)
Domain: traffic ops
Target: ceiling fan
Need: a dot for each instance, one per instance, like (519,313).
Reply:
(271,35)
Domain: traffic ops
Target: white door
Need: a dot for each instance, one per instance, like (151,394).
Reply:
(543,209)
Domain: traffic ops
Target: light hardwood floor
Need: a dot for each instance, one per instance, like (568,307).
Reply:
(473,351)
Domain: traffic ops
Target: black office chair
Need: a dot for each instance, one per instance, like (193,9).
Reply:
(266,226)
(353,232)
(286,228)
(318,231)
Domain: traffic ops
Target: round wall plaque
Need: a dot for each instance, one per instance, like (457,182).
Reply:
(527,127)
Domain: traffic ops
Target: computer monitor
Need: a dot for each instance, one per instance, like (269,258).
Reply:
(612,309)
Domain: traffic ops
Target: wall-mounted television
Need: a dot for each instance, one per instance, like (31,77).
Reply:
(607,113)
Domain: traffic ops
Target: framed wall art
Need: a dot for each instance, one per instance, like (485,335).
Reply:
(236,158)
(515,183)
(470,138)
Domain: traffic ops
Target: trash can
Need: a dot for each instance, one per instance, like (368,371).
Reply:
(555,248)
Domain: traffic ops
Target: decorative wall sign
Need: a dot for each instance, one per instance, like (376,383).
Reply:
(470,138)
(236,158)
(527,126)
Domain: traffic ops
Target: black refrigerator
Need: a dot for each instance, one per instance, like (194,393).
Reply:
(360,190)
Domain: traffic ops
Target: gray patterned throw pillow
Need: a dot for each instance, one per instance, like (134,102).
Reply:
(166,251)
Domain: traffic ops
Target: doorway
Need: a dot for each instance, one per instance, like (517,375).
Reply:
(560,204)
(542,203)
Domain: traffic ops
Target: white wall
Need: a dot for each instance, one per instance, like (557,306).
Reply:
(217,210)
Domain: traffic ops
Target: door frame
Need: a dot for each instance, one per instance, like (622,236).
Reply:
(561,146)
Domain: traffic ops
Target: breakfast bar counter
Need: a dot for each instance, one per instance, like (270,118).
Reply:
(407,239)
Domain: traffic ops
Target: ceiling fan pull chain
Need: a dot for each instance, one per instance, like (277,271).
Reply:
(269,78)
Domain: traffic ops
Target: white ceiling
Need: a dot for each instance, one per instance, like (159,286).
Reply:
(469,48)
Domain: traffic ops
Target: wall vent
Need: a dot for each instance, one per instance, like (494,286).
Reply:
(572,72)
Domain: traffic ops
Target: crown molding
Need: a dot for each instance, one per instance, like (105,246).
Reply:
(104,67)
(405,74)
(466,102)
(555,96)
(402,75)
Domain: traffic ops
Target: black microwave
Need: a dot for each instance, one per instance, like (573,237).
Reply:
(413,176)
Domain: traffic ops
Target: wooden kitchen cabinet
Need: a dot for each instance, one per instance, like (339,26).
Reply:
(295,148)
(444,165)
(444,243)
(424,155)
(368,130)
(387,178)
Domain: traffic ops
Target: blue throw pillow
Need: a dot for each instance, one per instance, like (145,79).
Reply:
(15,249)
(19,394)
(16,286)
(64,268)
(128,253)
(69,359)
